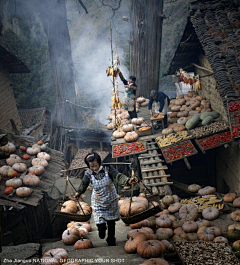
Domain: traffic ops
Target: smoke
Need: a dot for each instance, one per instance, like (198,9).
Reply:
(91,52)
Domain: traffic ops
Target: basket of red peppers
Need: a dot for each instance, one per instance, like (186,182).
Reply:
(215,140)
(128,149)
(179,151)
(234,118)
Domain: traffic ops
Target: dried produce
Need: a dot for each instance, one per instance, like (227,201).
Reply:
(127,149)
(171,138)
(199,253)
(178,151)
(212,128)
(203,202)
(215,140)
(144,128)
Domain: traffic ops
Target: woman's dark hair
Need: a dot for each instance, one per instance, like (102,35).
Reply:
(90,157)
(133,78)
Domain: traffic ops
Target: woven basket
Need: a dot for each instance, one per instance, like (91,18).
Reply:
(144,133)
(71,216)
(141,216)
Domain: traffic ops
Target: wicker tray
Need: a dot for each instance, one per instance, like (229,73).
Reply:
(141,216)
(144,133)
(234,259)
(233,120)
(199,145)
(172,145)
(71,216)
(133,153)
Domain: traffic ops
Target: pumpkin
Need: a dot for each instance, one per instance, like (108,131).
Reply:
(132,243)
(119,133)
(163,222)
(205,233)
(110,126)
(44,155)
(151,237)
(39,161)
(83,244)
(173,208)
(203,223)
(19,167)
(5,169)
(236,216)
(236,226)
(85,208)
(190,226)
(167,131)
(182,121)
(207,191)
(167,231)
(175,198)
(178,231)
(13,159)
(140,99)
(123,122)
(177,224)
(43,147)
(195,105)
(149,249)
(83,232)
(131,136)
(133,232)
(15,183)
(194,188)
(163,212)
(137,121)
(220,239)
(23,192)
(33,150)
(70,236)
(26,157)
(180,102)
(167,200)
(128,128)
(148,229)
(8,190)
(188,211)
(233,234)
(87,226)
(168,245)
(173,115)
(139,204)
(125,115)
(31,180)
(179,128)
(149,222)
(230,197)
(162,236)
(236,245)
(175,108)
(181,236)
(155,261)
(172,217)
(236,203)
(217,231)
(192,236)
(37,170)
(210,213)
(69,207)
(9,148)
(54,257)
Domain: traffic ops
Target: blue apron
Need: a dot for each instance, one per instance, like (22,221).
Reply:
(104,199)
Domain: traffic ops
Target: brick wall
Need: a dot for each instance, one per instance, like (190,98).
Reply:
(208,88)
(8,108)
(227,159)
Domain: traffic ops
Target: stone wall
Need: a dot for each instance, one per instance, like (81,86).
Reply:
(208,88)
(8,108)
(227,159)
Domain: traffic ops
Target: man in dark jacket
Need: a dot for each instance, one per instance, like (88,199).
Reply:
(161,104)
(130,94)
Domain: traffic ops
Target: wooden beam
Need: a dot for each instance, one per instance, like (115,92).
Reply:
(151,162)
(154,169)
(159,184)
(202,68)
(157,177)
(187,163)
(147,156)
(180,62)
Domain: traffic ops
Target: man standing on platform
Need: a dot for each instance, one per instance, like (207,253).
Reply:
(161,105)
(130,94)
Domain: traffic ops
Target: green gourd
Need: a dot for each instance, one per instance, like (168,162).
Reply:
(192,123)
(214,114)
(207,120)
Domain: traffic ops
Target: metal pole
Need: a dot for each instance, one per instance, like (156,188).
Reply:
(113,74)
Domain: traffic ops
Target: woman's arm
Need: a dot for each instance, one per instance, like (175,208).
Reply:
(84,183)
(122,179)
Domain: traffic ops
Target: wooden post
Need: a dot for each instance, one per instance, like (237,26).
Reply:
(0,230)
(101,146)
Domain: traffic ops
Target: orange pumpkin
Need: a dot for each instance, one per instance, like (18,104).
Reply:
(210,213)
(190,226)
(236,216)
(23,192)
(149,249)
(57,254)
(69,207)
(230,197)
(13,159)
(188,212)
(83,244)
(206,233)
(15,183)
(163,222)
(31,180)
(70,236)
(236,203)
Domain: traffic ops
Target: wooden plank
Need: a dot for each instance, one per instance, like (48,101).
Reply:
(151,162)
(187,163)
(153,148)
(199,146)
(148,156)
(157,177)
(155,169)
(159,184)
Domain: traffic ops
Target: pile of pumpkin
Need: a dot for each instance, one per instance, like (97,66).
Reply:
(75,234)
(184,108)
(15,166)
(72,207)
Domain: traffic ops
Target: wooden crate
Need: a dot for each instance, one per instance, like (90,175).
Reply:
(201,148)
(233,119)
(133,153)
(172,145)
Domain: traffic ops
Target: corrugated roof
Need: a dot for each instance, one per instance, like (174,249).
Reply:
(12,62)
(31,117)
